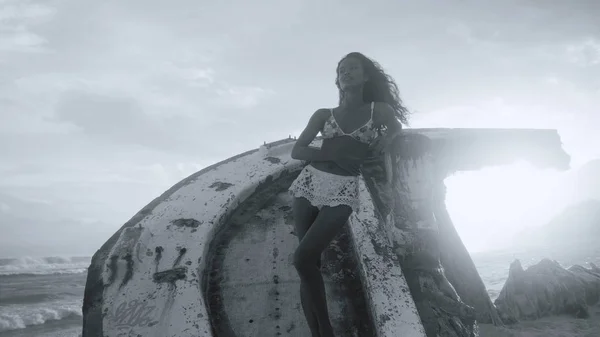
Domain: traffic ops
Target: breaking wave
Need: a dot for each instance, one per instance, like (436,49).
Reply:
(44,265)
(14,317)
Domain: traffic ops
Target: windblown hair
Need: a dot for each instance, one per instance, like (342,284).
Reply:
(380,87)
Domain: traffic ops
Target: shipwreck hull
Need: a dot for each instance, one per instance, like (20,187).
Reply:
(211,256)
(177,267)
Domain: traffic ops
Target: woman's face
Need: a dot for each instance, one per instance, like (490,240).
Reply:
(351,73)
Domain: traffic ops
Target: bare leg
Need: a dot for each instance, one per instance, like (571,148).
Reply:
(304,215)
(328,223)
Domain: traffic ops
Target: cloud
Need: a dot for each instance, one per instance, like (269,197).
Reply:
(122,121)
(18,20)
(23,41)
(243,97)
(585,53)
(116,119)
(16,11)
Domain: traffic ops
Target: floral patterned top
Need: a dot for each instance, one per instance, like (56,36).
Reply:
(365,134)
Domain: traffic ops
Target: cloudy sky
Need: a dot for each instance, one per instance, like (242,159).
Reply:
(106,104)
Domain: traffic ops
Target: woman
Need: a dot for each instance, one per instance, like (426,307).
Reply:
(326,191)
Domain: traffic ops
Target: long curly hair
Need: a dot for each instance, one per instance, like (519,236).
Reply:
(380,87)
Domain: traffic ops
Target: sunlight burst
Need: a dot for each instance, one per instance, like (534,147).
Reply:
(490,206)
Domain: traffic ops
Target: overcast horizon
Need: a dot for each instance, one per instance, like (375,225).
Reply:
(106,104)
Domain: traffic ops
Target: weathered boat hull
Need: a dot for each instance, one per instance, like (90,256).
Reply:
(179,267)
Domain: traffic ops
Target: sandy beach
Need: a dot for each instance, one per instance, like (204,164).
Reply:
(561,326)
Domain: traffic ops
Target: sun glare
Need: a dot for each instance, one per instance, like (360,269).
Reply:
(490,206)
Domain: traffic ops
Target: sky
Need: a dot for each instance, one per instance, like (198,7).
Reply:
(106,104)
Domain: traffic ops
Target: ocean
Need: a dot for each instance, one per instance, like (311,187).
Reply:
(42,297)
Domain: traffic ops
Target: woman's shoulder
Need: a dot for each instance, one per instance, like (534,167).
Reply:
(382,110)
(322,113)
(319,118)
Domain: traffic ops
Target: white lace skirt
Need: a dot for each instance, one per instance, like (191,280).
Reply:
(326,189)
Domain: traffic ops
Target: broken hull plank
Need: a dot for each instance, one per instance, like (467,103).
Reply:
(253,288)
(386,289)
(150,271)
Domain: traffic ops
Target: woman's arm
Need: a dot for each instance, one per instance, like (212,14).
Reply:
(302,150)
(394,128)
(386,116)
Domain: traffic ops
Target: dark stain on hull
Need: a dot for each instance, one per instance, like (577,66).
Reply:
(129,272)
(273,160)
(170,276)
(158,251)
(158,255)
(112,267)
(188,223)
(180,256)
(220,186)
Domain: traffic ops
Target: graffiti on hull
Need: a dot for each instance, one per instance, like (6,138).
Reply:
(134,313)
